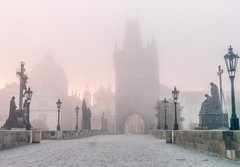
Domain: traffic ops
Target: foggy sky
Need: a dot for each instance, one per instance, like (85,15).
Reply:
(192,38)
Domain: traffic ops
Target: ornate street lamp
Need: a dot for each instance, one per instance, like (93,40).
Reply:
(77,111)
(158,107)
(231,60)
(58,107)
(165,102)
(175,94)
(28,94)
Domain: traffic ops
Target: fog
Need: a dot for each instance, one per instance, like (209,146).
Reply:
(191,36)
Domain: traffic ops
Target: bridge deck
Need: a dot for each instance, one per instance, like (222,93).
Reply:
(108,151)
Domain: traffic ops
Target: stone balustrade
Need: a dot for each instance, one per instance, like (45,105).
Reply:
(64,134)
(218,142)
(20,137)
(14,138)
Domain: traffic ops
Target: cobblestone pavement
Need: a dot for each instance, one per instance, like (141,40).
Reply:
(109,151)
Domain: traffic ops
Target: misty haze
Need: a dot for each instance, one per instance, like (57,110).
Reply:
(133,82)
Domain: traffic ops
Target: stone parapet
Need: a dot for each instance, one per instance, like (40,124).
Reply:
(161,134)
(59,135)
(52,135)
(14,138)
(218,142)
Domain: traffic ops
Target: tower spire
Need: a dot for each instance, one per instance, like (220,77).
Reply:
(132,37)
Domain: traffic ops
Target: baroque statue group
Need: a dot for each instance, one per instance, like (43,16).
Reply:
(212,103)
(211,115)
(19,118)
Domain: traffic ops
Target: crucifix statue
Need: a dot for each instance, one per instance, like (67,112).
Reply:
(23,81)
(219,73)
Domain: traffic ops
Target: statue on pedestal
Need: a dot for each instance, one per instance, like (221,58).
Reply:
(212,103)
(11,121)
(211,115)
(19,118)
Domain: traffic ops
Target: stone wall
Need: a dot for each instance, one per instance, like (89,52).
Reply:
(161,134)
(217,142)
(58,135)
(12,138)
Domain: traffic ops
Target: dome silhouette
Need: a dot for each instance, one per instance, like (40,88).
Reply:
(48,77)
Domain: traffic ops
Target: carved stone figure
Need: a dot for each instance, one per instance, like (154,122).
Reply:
(23,81)
(11,121)
(211,115)
(206,103)
(86,116)
(12,109)
(104,123)
(215,96)
(21,118)
(212,103)
(18,118)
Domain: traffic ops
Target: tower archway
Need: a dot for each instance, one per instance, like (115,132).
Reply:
(134,124)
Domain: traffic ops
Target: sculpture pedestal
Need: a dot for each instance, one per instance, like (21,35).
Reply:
(18,120)
(213,120)
(10,123)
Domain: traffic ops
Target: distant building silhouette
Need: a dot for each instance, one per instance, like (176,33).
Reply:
(103,101)
(87,96)
(49,83)
(137,78)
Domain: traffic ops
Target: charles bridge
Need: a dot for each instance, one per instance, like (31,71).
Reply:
(167,148)
(102,148)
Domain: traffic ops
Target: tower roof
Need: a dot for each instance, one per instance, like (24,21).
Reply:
(132,37)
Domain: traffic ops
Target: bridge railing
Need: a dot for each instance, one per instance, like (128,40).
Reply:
(218,142)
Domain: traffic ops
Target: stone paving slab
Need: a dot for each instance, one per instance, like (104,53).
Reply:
(109,151)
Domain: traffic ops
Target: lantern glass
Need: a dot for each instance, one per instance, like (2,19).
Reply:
(77,109)
(165,102)
(231,61)
(29,94)
(59,104)
(175,94)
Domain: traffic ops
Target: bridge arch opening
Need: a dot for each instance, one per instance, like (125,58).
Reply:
(134,124)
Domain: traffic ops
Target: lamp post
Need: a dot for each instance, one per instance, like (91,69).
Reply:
(175,94)
(165,113)
(58,107)
(77,110)
(231,60)
(28,94)
(158,107)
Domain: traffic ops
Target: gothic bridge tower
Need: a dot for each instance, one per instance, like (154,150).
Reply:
(137,80)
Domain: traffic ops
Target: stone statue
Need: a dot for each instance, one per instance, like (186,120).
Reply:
(211,115)
(206,103)
(84,108)
(23,81)
(12,109)
(25,111)
(86,116)
(18,118)
(212,103)
(12,120)
(104,122)
(215,96)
